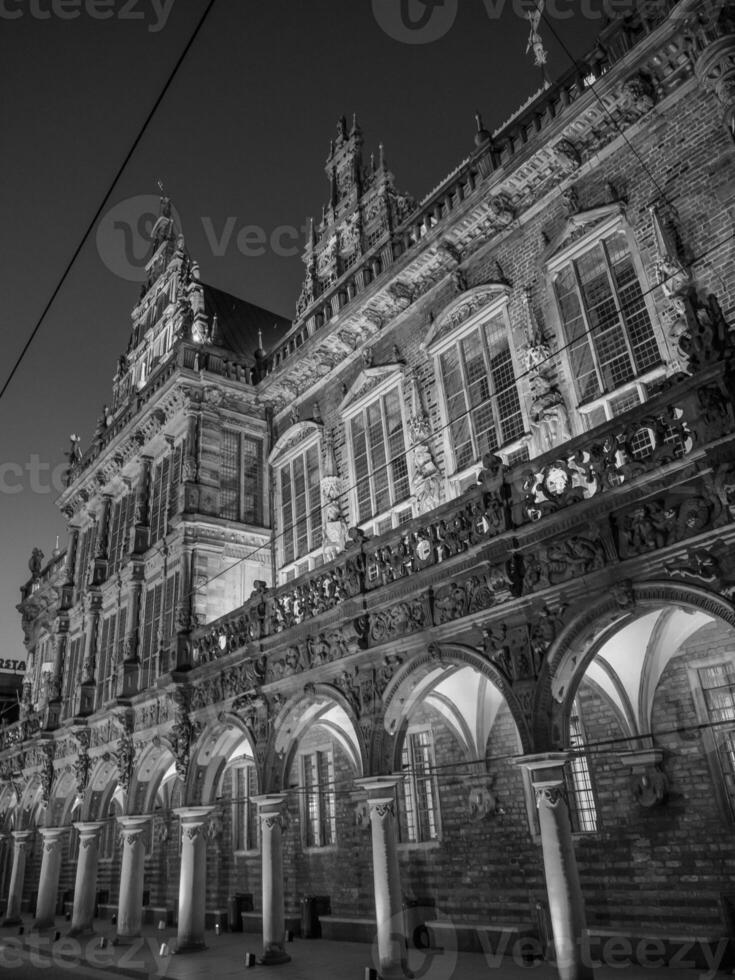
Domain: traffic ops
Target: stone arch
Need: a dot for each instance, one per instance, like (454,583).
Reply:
(210,754)
(101,787)
(593,624)
(429,669)
(312,706)
(63,799)
(31,806)
(150,769)
(8,808)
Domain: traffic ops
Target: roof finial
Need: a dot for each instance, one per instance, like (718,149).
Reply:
(159,184)
(260,339)
(535,41)
(481,136)
(381,156)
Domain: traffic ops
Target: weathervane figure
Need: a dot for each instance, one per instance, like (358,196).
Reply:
(535,41)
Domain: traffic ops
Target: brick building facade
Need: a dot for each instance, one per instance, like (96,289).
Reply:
(446,572)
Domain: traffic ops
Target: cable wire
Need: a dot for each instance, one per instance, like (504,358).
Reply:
(105,199)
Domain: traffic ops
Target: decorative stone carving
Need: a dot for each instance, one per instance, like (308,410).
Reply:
(425,475)
(125,756)
(482,803)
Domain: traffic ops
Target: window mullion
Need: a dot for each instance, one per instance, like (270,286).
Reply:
(619,307)
(370,457)
(588,327)
(468,402)
(388,461)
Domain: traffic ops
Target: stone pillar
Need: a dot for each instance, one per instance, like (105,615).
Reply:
(566,905)
(270,809)
(85,885)
(48,884)
(381,792)
(192,877)
(130,903)
(21,846)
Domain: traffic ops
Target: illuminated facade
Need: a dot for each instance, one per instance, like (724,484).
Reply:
(447,568)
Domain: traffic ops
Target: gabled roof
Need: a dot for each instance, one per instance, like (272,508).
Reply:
(238,322)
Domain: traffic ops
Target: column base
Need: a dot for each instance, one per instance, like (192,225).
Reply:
(74,933)
(126,940)
(44,927)
(189,947)
(274,956)
(13,920)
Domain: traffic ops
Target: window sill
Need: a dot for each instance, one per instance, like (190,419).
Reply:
(254,852)
(420,845)
(327,849)
(653,374)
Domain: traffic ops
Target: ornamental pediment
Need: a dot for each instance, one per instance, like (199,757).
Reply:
(367,381)
(579,225)
(294,435)
(463,308)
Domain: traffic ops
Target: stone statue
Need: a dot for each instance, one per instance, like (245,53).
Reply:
(425,479)
(35,563)
(549,416)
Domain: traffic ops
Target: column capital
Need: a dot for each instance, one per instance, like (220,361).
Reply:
(270,802)
(21,837)
(193,814)
(380,789)
(52,833)
(546,768)
(271,810)
(52,836)
(133,828)
(89,827)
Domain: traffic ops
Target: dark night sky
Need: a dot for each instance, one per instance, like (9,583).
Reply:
(242,134)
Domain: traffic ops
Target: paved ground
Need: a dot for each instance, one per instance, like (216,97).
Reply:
(29,957)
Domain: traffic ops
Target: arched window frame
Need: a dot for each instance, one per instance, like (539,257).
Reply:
(296,442)
(602,224)
(471,313)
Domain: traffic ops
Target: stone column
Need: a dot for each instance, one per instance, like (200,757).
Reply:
(192,877)
(270,809)
(130,902)
(48,884)
(566,905)
(21,846)
(85,884)
(381,792)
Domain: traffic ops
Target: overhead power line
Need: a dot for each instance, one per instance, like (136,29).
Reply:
(105,199)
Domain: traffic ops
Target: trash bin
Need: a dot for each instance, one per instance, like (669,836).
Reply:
(416,913)
(312,906)
(237,904)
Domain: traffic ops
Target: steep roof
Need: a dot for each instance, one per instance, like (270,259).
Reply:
(239,322)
